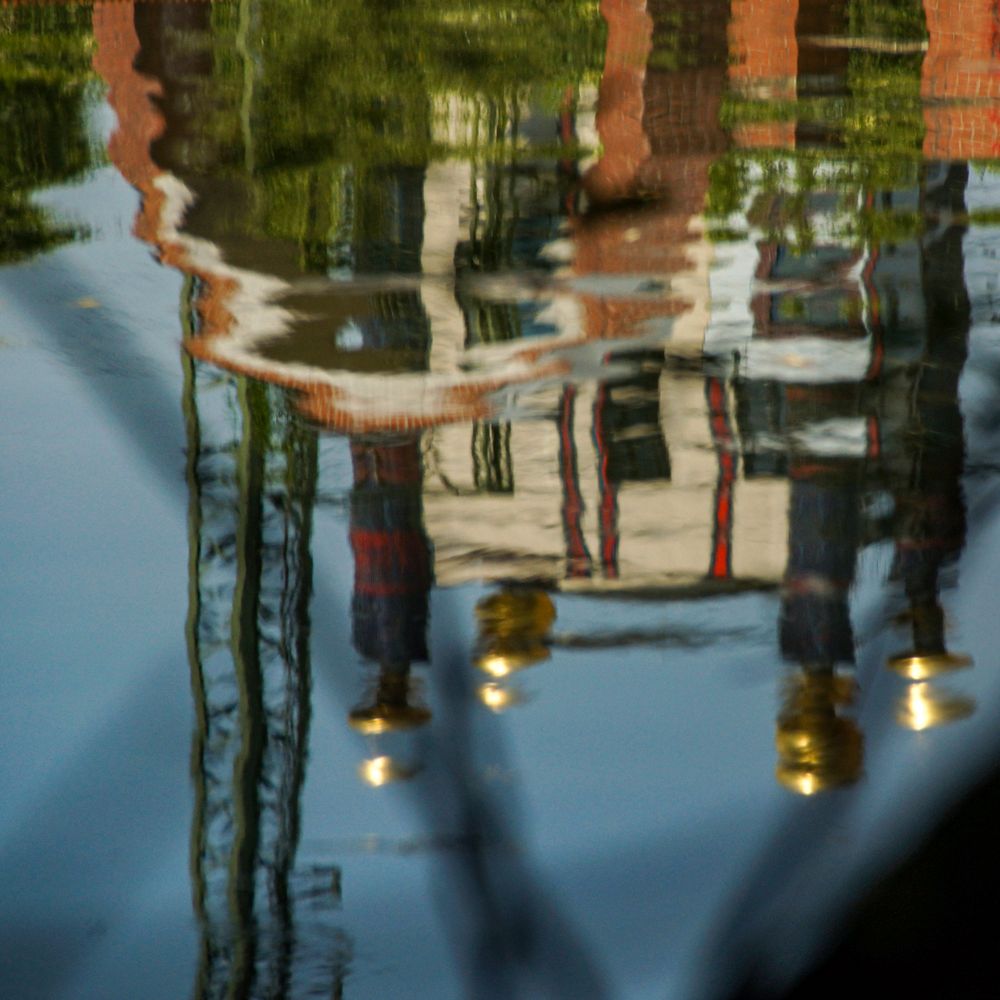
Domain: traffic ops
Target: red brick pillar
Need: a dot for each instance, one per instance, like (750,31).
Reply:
(764,64)
(130,95)
(620,102)
(962,68)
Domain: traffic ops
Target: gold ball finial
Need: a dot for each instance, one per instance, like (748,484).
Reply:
(374,720)
(922,707)
(512,629)
(516,612)
(817,748)
(916,666)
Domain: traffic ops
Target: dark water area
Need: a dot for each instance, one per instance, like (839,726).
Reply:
(499,500)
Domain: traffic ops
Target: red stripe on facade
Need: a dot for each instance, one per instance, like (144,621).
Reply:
(874,439)
(608,520)
(721,561)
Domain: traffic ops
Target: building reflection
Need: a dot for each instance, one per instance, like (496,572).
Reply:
(269,925)
(930,507)
(549,387)
(849,379)
(785,441)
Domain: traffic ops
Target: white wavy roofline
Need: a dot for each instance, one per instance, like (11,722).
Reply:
(256,317)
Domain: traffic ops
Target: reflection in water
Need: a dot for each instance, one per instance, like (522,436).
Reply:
(514,627)
(392,555)
(818,748)
(812,306)
(838,369)
(392,580)
(724,355)
(923,707)
(43,92)
(930,506)
(248,644)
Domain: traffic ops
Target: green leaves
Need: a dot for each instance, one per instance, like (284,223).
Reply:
(45,73)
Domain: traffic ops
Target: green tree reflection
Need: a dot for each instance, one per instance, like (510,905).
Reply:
(44,76)
(870,122)
(304,101)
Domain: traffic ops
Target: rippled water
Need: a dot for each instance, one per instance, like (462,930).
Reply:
(499,499)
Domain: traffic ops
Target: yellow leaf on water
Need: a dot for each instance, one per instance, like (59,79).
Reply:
(88,303)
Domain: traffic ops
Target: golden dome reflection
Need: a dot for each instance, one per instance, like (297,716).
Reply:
(922,707)
(516,612)
(374,720)
(817,748)
(923,666)
(513,625)
(389,708)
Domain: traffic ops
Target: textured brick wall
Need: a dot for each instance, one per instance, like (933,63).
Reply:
(764,58)
(131,96)
(660,132)
(620,101)
(962,68)
(960,80)
(765,53)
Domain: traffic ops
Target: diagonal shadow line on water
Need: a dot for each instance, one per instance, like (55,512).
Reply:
(143,409)
(518,941)
(79,805)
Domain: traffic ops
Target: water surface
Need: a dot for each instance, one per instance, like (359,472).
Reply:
(500,499)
